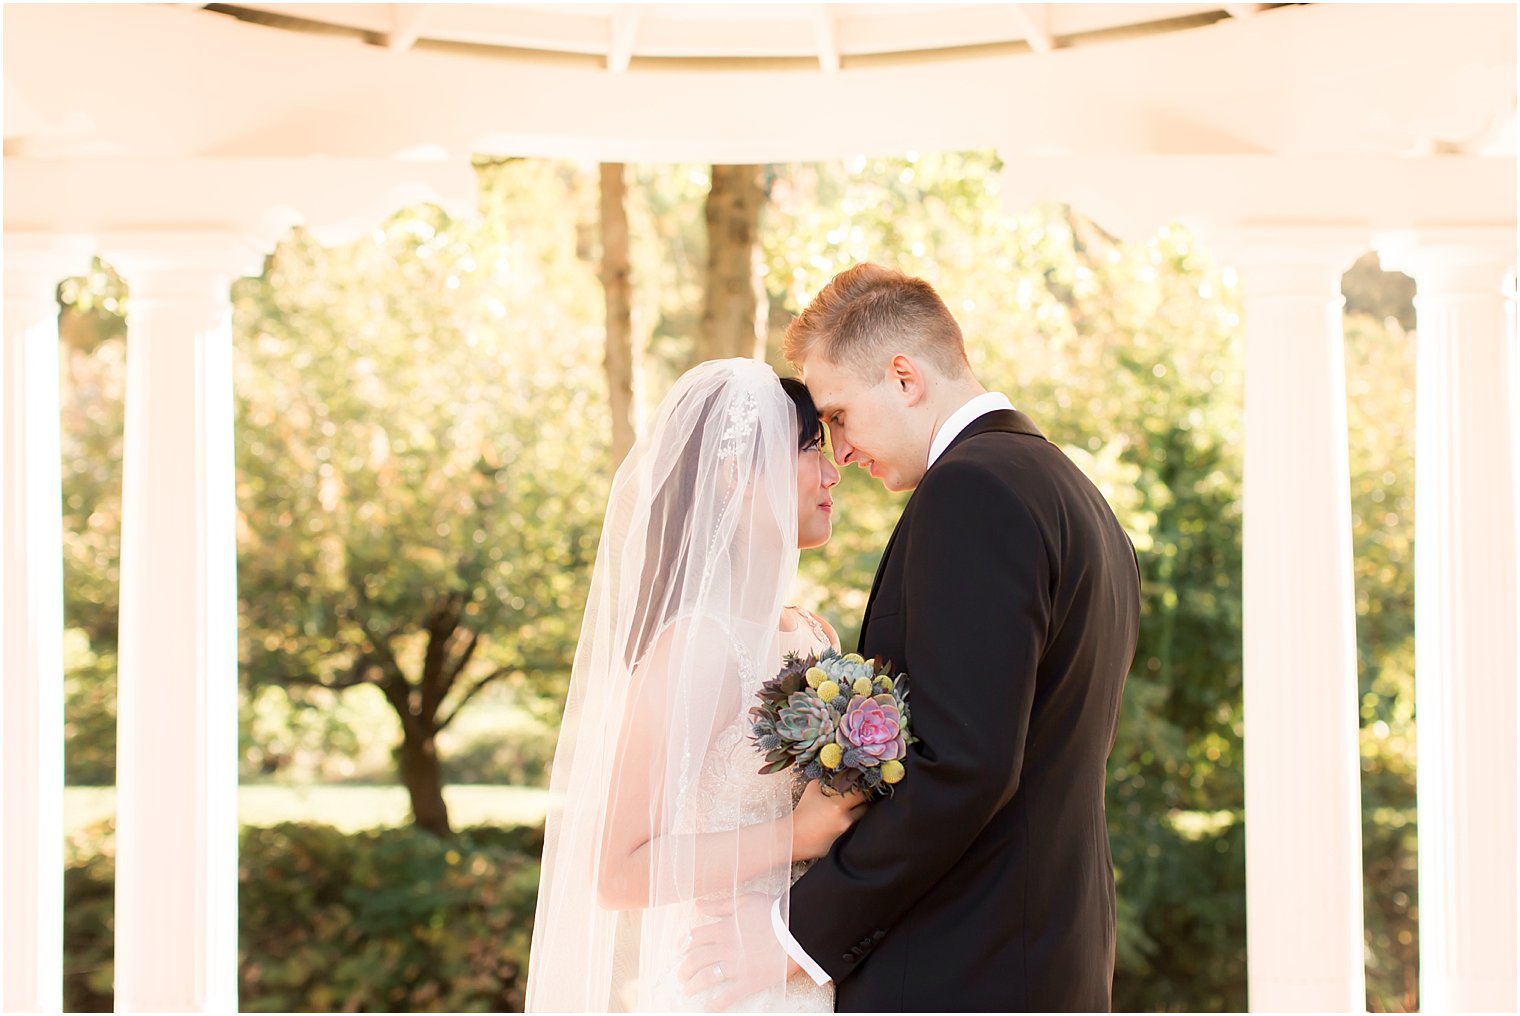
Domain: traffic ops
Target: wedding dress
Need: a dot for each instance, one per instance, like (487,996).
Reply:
(657,816)
(730,780)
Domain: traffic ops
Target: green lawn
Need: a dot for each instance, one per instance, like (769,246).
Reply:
(348,807)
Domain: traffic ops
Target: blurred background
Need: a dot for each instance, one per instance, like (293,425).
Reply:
(425,437)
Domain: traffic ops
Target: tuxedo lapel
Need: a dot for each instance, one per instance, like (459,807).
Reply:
(881,569)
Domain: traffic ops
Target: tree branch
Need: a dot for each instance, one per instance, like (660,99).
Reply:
(442,623)
(398,694)
(364,671)
(464,658)
(380,641)
(472,692)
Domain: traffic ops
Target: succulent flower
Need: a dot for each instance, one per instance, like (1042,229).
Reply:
(807,724)
(839,719)
(873,726)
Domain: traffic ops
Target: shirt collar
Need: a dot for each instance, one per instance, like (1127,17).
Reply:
(987,402)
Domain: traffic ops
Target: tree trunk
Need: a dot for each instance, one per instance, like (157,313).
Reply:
(423,777)
(734,313)
(621,358)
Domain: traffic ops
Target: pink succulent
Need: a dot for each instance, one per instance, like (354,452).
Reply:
(873,726)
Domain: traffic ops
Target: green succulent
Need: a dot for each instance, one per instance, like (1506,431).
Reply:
(807,723)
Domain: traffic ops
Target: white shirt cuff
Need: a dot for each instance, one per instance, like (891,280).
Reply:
(794,950)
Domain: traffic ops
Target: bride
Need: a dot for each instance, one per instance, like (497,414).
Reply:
(658,816)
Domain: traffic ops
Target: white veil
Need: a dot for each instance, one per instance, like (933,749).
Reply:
(649,808)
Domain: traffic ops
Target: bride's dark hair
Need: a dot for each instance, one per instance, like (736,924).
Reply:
(809,427)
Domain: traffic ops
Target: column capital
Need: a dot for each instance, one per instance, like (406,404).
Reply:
(181,264)
(1452,260)
(36,262)
(1286,259)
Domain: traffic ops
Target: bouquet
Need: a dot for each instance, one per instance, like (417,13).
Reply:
(842,720)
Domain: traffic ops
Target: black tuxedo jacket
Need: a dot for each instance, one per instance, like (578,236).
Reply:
(1010,595)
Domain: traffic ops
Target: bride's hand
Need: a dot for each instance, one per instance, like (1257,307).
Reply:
(821,818)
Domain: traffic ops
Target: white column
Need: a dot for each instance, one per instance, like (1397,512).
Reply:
(31,640)
(1303,794)
(1465,612)
(176,826)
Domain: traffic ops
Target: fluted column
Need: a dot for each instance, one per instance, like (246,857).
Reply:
(1303,794)
(31,602)
(1465,615)
(176,867)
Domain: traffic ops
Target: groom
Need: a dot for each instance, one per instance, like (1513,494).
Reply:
(1010,595)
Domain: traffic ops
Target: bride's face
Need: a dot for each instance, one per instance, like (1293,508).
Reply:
(816,477)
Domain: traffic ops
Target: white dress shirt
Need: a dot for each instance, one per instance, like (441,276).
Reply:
(981,405)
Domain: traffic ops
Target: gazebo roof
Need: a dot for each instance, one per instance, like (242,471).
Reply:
(1075,97)
(754,82)
(830,37)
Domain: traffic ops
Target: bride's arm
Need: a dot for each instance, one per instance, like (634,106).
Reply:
(629,872)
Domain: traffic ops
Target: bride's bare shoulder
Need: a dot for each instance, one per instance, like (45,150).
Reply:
(689,637)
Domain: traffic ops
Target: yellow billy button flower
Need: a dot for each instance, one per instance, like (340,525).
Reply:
(862,686)
(815,676)
(885,683)
(828,691)
(831,755)
(853,658)
(891,772)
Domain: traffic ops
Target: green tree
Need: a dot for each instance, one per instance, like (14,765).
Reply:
(92,334)
(1380,381)
(422,450)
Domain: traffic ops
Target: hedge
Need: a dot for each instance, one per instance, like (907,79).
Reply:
(381,921)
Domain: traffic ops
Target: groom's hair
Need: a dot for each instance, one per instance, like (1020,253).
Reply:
(868,314)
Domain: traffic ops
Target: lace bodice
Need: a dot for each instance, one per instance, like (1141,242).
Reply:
(732,793)
(733,762)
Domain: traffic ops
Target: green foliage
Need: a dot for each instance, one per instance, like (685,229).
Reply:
(92,333)
(422,453)
(315,735)
(89,711)
(89,919)
(386,921)
(1380,372)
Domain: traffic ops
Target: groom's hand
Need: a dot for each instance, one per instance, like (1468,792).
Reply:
(737,953)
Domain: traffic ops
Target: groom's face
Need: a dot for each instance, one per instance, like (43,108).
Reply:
(870,422)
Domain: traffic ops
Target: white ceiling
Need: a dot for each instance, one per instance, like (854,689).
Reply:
(1335,109)
(830,34)
(177,80)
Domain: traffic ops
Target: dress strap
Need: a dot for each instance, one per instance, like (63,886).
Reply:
(819,632)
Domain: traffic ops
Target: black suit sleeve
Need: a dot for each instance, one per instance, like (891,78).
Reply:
(976,605)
